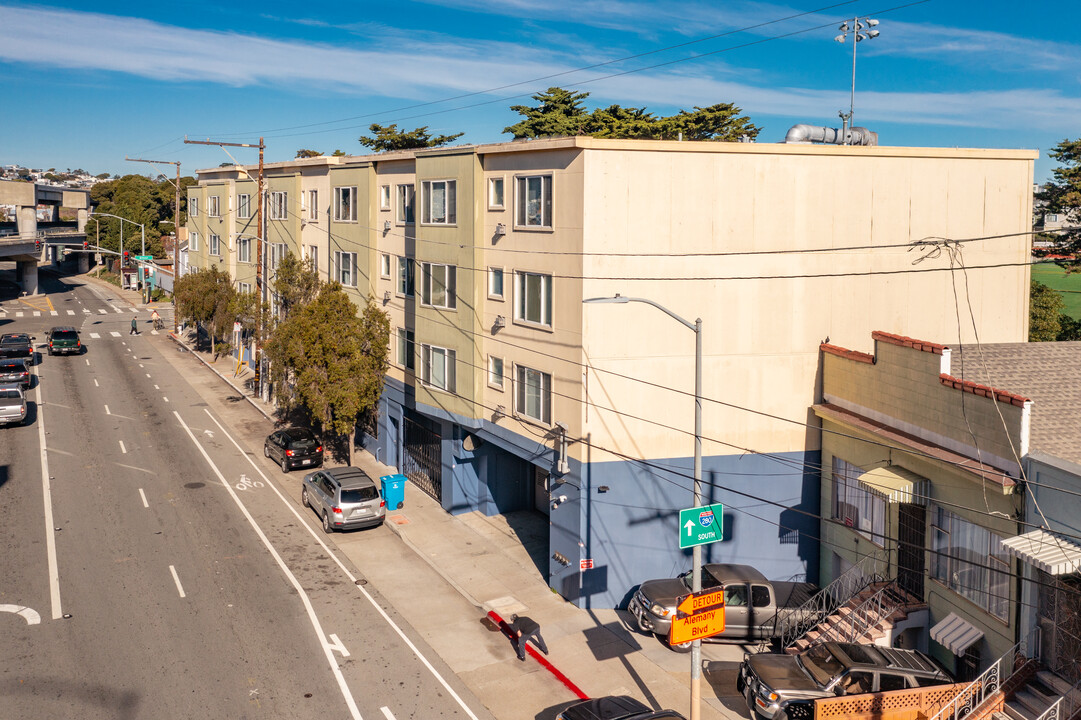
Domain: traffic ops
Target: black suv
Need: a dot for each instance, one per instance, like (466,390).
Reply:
(778,685)
(293,448)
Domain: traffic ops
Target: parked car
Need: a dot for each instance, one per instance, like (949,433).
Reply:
(345,498)
(754,608)
(17,345)
(64,340)
(14,370)
(293,448)
(615,707)
(782,686)
(12,405)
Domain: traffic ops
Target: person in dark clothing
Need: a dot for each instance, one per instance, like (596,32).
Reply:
(134,327)
(525,628)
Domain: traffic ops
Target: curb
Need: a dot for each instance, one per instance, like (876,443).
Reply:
(394,528)
(224,379)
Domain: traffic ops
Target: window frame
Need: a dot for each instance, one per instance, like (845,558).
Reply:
(243,206)
(279,205)
(450,202)
(502,294)
(501,181)
(450,285)
(384,197)
(946,567)
(243,287)
(384,265)
(339,256)
(520,401)
(405,341)
(844,474)
(213,244)
(243,249)
(193,206)
(407,274)
(193,241)
(521,298)
(345,198)
(500,383)
(405,212)
(213,206)
(450,359)
(521,183)
(312,253)
(313,205)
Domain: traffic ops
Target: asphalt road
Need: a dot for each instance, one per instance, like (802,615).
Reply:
(148,567)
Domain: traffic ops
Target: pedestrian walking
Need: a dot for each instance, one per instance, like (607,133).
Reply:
(525,628)
(134,327)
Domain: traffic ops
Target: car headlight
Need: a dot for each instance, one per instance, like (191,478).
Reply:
(657,609)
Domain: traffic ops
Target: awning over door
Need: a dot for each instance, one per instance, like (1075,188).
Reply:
(897,484)
(1049,552)
(956,634)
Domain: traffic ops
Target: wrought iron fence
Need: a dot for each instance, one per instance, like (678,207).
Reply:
(856,624)
(826,601)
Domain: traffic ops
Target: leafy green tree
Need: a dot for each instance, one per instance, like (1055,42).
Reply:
(1062,195)
(389,137)
(1045,308)
(338,153)
(716,122)
(1069,328)
(620,122)
(305,153)
(558,112)
(208,299)
(140,200)
(295,284)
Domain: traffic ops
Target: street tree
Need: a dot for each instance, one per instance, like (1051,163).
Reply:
(207,298)
(295,284)
(389,137)
(1062,195)
(1045,308)
(305,153)
(141,200)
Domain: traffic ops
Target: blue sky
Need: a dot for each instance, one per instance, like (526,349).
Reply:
(85,87)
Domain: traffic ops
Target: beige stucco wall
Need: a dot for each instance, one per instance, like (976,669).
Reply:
(761,336)
(314,231)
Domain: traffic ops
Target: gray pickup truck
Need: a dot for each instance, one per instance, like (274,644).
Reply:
(755,608)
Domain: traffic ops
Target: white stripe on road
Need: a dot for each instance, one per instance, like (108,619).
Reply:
(54,313)
(387,713)
(312,617)
(176,579)
(107,410)
(114,333)
(135,309)
(339,563)
(122,448)
(19,314)
(140,364)
(71,312)
(336,644)
(96,383)
(103,311)
(86,311)
(148,374)
(95,336)
(119,310)
(37,313)
(143,496)
(157,388)
(50,529)
(165,398)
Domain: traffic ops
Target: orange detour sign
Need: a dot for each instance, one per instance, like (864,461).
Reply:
(698,616)
(701,602)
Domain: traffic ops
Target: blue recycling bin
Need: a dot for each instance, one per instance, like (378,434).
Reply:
(393,491)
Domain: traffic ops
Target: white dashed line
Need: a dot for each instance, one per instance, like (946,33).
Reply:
(176,579)
(107,410)
(96,383)
(140,364)
(86,311)
(103,311)
(165,398)
(71,312)
(122,448)
(143,496)
(387,713)
(157,388)
(148,374)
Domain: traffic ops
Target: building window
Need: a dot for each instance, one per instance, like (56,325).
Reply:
(215,244)
(1052,218)
(193,242)
(405,277)
(439,285)
(213,206)
(243,287)
(346,264)
(384,265)
(243,249)
(495,283)
(279,205)
(313,257)
(534,198)
(533,298)
(438,367)
(495,193)
(243,206)
(405,349)
(384,197)
(345,204)
(277,253)
(495,372)
(533,394)
(438,202)
(193,207)
(313,204)
(406,196)
(857,506)
(969,560)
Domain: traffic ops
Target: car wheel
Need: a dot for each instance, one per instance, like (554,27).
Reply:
(681,648)
(285,466)
(266,450)
(326,523)
(304,497)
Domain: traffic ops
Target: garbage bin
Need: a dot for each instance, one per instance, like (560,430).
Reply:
(393,491)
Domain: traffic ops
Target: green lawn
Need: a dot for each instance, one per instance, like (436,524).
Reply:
(1069,286)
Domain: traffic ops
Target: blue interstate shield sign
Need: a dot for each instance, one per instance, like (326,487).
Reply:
(705,518)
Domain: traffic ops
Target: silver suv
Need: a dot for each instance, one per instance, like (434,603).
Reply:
(344,498)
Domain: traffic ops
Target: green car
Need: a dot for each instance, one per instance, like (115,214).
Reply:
(64,340)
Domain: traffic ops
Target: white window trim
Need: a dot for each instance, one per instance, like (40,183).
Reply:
(213,239)
(845,474)
(313,205)
(451,287)
(548,292)
(518,412)
(312,253)
(401,217)
(213,206)
(450,359)
(426,198)
(502,377)
(243,206)
(501,297)
(547,222)
(243,249)
(193,241)
(193,206)
(339,256)
(491,204)
(410,348)
(339,193)
(384,197)
(385,265)
(243,287)
(411,269)
(279,205)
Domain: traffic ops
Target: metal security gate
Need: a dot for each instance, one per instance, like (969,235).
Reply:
(422,459)
(910,548)
(1059,615)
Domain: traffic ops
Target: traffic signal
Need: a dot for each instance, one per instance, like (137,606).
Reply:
(86,245)
(37,243)
(126,253)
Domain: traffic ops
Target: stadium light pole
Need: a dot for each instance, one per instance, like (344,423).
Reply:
(855,28)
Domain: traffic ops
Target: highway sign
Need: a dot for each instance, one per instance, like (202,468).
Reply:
(696,627)
(701,601)
(700,525)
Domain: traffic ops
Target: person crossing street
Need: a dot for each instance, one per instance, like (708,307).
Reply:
(134,327)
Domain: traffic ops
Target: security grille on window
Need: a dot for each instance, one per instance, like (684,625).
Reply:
(439,285)
(243,249)
(438,202)
(346,266)
(313,204)
(345,204)
(534,199)
(404,211)
(438,367)
(193,242)
(405,277)
(533,298)
(193,207)
(969,559)
(213,206)
(243,206)
(215,244)
(406,354)
(533,394)
(858,507)
(495,371)
(279,205)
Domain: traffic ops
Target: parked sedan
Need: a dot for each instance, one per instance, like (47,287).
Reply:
(17,345)
(615,707)
(14,370)
(344,498)
(294,447)
(12,405)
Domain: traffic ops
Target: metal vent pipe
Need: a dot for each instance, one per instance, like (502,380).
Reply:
(815,134)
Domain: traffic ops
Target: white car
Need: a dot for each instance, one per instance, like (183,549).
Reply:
(12,405)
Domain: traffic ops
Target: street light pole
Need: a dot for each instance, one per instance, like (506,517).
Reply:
(856,28)
(696,551)
(176,230)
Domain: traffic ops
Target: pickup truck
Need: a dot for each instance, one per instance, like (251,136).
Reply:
(754,608)
(779,686)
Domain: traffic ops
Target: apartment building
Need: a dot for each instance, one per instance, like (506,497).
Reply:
(509,394)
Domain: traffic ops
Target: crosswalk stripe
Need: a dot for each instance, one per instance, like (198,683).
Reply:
(118,309)
(54,313)
(103,311)
(18,314)
(71,312)
(114,333)
(86,311)
(135,309)
(37,313)
(95,336)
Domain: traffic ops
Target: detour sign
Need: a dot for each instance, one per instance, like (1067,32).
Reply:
(699,615)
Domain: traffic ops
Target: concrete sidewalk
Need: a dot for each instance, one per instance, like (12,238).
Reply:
(444,572)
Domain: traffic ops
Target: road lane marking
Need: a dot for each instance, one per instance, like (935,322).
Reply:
(148,374)
(114,333)
(96,383)
(50,528)
(107,410)
(103,311)
(336,644)
(165,398)
(119,310)
(176,579)
(37,313)
(387,713)
(71,312)
(157,388)
(132,467)
(143,496)
(53,313)
(28,614)
(140,364)
(122,448)
(301,592)
(86,311)
(352,578)
(87,361)
(19,314)
(95,336)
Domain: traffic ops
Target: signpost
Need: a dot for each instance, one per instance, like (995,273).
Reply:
(698,615)
(701,525)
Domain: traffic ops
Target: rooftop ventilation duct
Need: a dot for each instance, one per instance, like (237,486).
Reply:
(814,134)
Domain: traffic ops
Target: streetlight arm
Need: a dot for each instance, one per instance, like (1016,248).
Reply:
(623,299)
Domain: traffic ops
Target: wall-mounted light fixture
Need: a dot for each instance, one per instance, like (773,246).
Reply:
(386,296)
(500,323)
(500,229)
(386,226)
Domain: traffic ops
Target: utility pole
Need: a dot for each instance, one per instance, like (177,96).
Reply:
(259,284)
(176,230)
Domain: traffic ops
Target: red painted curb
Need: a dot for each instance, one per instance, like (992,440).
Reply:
(505,628)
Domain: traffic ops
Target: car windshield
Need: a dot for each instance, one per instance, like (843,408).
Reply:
(65,335)
(357,495)
(13,341)
(9,394)
(820,664)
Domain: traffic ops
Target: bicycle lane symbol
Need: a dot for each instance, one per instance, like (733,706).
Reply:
(247,484)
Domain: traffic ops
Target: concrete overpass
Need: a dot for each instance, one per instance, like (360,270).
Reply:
(28,243)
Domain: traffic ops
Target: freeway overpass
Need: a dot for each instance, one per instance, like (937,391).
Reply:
(28,241)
